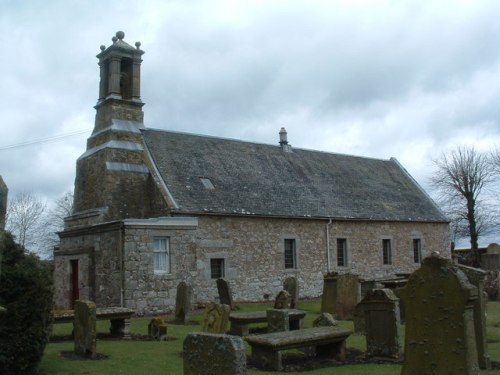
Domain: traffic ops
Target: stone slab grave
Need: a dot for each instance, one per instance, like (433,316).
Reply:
(225,294)
(182,303)
(210,354)
(216,318)
(440,336)
(341,294)
(157,329)
(380,308)
(84,328)
(291,285)
(327,342)
(240,321)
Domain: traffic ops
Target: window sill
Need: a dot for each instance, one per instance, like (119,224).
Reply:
(163,275)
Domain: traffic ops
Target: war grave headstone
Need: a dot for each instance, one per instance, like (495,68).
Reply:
(84,328)
(277,320)
(216,318)
(210,353)
(157,329)
(182,303)
(291,285)
(476,277)
(440,336)
(225,295)
(382,326)
(283,300)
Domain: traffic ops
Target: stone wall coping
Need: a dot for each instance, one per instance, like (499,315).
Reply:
(174,221)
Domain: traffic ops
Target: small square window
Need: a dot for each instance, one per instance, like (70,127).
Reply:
(341,252)
(290,253)
(386,251)
(217,268)
(417,250)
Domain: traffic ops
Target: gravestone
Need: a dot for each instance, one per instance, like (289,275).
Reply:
(216,318)
(277,320)
(325,320)
(440,335)
(182,303)
(476,278)
(358,319)
(225,295)
(84,328)
(348,295)
(292,287)
(283,300)
(329,293)
(210,353)
(157,329)
(382,326)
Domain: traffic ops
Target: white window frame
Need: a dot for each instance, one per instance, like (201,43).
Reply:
(162,260)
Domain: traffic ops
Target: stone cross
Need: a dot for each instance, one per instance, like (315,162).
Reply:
(182,303)
(225,295)
(291,285)
(216,318)
(84,328)
(440,336)
(382,326)
(210,353)
(277,320)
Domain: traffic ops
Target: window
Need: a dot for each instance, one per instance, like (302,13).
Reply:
(386,251)
(161,251)
(341,252)
(290,255)
(417,250)
(207,183)
(217,268)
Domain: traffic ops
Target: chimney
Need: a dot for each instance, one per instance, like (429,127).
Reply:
(284,141)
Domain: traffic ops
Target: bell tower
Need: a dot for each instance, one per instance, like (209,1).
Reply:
(111,175)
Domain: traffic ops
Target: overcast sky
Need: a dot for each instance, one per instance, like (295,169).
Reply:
(404,79)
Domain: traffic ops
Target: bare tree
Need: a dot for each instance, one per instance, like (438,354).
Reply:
(24,219)
(54,222)
(460,179)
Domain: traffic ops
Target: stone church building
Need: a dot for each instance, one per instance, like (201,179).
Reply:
(155,207)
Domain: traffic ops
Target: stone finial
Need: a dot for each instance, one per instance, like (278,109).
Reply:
(138,45)
(102,47)
(120,35)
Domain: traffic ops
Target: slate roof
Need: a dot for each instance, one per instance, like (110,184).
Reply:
(259,179)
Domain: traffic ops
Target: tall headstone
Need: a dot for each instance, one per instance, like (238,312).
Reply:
(358,319)
(84,328)
(210,353)
(329,293)
(291,285)
(476,278)
(277,320)
(225,295)
(216,318)
(440,336)
(348,295)
(382,326)
(283,300)
(182,303)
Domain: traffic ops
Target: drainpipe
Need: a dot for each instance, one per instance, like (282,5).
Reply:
(328,263)
(120,260)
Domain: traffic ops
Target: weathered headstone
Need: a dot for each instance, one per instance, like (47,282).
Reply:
(216,318)
(225,295)
(382,326)
(182,303)
(157,329)
(210,353)
(325,320)
(348,295)
(329,293)
(476,278)
(291,285)
(84,328)
(277,320)
(358,319)
(283,300)
(440,336)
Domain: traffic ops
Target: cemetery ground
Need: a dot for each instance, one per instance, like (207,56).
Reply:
(143,356)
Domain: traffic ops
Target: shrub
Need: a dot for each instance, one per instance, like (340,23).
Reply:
(26,293)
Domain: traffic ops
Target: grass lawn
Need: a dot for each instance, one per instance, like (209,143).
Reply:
(163,357)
